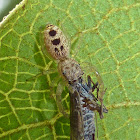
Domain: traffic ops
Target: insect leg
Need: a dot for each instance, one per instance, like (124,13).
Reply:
(95,85)
(101,91)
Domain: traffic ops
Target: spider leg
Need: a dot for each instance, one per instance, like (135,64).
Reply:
(44,72)
(59,91)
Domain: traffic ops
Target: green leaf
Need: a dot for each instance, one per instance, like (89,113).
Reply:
(103,33)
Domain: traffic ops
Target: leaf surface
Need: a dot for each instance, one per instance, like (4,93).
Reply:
(102,33)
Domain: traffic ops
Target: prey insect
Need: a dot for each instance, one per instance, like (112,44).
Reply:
(82,102)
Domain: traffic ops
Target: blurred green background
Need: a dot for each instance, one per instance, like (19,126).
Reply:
(6,6)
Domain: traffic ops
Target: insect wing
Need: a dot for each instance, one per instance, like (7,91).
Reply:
(76,119)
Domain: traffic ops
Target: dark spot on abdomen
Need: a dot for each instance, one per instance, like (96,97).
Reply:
(61,48)
(52,33)
(56,41)
(56,50)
